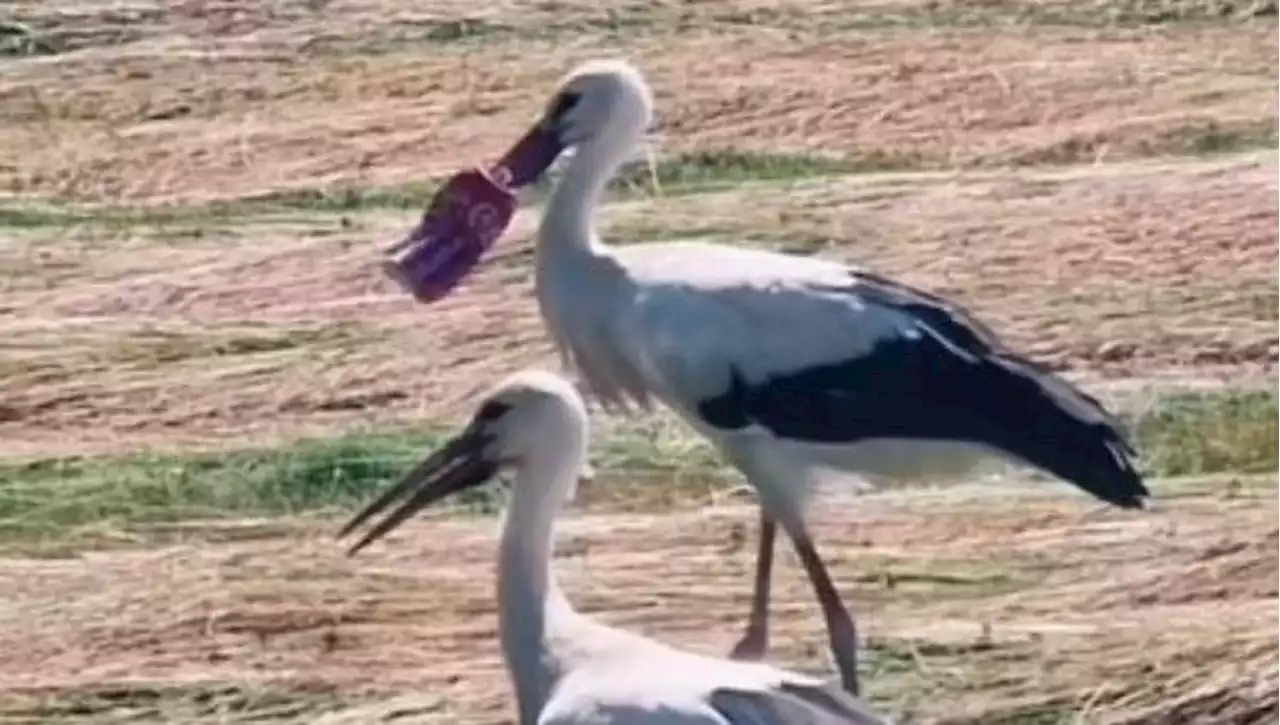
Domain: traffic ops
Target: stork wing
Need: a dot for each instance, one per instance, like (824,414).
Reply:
(793,704)
(704,313)
(818,353)
(651,684)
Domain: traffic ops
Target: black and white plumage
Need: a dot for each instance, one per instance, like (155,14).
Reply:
(937,375)
(796,368)
(567,668)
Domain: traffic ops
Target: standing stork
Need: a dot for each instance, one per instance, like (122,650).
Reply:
(569,669)
(793,367)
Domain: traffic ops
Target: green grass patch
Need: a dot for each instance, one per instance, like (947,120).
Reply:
(166,703)
(550,22)
(18,41)
(638,465)
(47,496)
(913,674)
(184,219)
(1061,711)
(1198,433)
(36,216)
(703,171)
(680,173)
(159,346)
(110,218)
(684,173)
(1159,12)
(32,33)
(981,14)
(926,581)
(336,199)
(1201,138)
(151,347)
(1211,137)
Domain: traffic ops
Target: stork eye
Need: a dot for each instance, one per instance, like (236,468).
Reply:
(491,411)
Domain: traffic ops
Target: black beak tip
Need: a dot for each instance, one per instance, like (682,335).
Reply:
(356,548)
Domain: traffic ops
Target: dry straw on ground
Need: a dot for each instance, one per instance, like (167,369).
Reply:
(976,603)
(280,328)
(1097,179)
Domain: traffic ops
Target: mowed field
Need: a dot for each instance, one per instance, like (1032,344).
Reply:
(202,369)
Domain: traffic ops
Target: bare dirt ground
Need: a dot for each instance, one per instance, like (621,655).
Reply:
(1079,173)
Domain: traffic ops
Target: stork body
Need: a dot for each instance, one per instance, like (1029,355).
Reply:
(812,367)
(797,369)
(567,668)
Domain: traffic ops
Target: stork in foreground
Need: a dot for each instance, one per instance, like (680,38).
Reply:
(794,367)
(569,669)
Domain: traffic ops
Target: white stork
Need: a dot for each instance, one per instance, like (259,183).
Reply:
(567,668)
(794,367)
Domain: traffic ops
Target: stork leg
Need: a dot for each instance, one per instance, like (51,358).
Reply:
(755,642)
(841,632)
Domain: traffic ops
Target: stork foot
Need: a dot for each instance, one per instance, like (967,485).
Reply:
(752,646)
(842,634)
(844,647)
(755,642)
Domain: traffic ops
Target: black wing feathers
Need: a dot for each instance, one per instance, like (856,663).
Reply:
(795,705)
(945,377)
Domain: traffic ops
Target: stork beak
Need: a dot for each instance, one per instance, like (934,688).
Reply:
(457,466)
(529,158)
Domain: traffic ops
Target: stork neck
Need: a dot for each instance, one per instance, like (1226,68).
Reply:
(568,221)
(532,609)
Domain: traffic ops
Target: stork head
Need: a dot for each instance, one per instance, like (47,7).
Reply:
(599,100)
(531,420)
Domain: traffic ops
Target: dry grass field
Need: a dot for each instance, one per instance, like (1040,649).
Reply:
(201,367)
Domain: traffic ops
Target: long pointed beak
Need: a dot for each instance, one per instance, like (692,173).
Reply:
(459,465)
(528,159)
